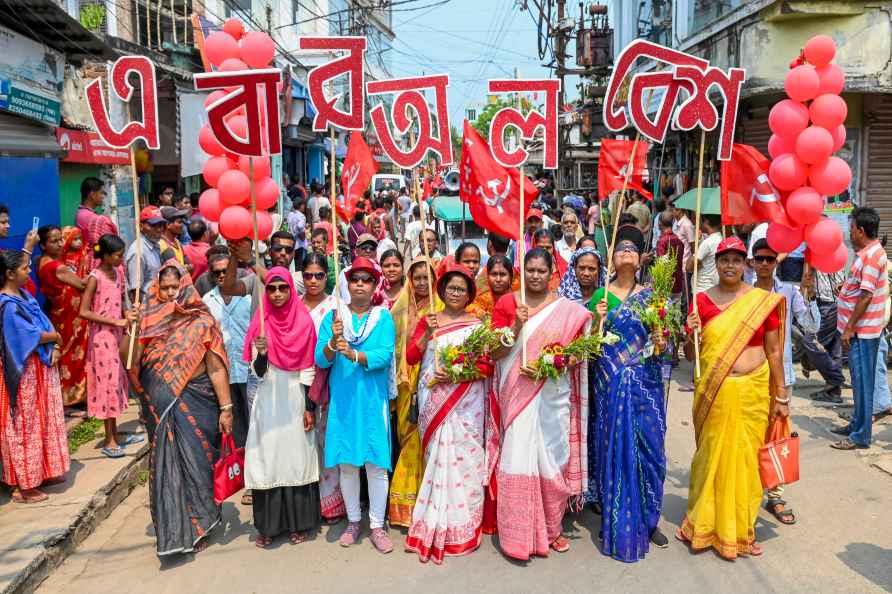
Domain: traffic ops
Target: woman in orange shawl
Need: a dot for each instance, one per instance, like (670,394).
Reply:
(62,271)
(499,280)
(180,373)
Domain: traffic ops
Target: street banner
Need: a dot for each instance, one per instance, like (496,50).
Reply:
(526,124)
(119,84)
(613,167)
(747,193)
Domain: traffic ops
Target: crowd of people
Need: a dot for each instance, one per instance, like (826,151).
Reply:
(324,378)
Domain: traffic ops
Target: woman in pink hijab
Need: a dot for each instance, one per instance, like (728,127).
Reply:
(281,462)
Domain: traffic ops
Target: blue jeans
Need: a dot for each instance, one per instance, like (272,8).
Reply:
(863,367)
(882,399)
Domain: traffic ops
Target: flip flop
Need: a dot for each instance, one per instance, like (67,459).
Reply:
(131,439)
(17,497)
(117,452)
(560,544)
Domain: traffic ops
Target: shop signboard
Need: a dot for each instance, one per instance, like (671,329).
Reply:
(31,78)
(88,147)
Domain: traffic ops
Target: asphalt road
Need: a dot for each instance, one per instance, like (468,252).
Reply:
(842,543)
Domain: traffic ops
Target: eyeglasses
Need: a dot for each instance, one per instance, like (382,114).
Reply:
(277,247)
(278,288)
(455,291)
(218,272)
(765,259)
(361,278)
(314,275)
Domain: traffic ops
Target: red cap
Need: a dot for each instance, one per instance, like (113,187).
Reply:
(731,244)
(151,215)
(362,263)
(534,212)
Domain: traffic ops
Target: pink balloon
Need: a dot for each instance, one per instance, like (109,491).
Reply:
(234,27)
(214,168)
(231,65)
(778,145)
(235,222)
(832,263)
(802,83)
(261,167)
(831,177)
(267,193)
(828,111)
(219,47)
(788,118)
(787,172)
(214,96)
(839,137)
(814,145)
(208,142)
(819,50)
(832,79)
(234,187)
(264,225)
(805,205)
(209,204)
(823,237)
(783,239)
(238,125)
(257,49)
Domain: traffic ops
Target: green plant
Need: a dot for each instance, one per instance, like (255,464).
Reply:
(86,432)
(92,16)
(142,477)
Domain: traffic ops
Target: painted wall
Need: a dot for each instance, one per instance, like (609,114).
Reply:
(30,188)
(70,177)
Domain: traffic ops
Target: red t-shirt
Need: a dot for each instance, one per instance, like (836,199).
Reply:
(708,310)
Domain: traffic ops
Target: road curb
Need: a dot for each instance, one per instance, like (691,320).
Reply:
(59,546)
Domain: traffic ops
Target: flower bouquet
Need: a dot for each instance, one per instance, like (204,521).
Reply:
(659,313)
(471,360)
(555,358)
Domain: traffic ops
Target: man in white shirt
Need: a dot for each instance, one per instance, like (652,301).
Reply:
(316,201)
(707,273)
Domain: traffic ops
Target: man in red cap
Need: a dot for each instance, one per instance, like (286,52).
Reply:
(152,225)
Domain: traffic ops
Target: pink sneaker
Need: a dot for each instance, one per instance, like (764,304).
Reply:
(381,541)
(351,533)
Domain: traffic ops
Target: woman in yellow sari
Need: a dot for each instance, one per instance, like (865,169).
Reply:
(412,305)
(741,385)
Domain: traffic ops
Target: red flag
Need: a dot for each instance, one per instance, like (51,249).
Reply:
(613,163)
(426,191)
(492,191)
(747,195)
(356,174)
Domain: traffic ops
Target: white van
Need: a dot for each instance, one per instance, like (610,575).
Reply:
(388,181)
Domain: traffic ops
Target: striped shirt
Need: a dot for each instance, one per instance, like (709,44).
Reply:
(867,274)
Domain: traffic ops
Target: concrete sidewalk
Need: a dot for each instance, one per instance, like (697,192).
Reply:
(36,538)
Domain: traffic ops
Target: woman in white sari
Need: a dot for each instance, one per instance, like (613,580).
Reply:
(536,430)
(448,512)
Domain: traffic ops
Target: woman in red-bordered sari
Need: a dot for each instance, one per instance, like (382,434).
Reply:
(536,430)
(446,519)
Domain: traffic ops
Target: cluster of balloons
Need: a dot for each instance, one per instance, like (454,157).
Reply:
(808,128)
(229,199)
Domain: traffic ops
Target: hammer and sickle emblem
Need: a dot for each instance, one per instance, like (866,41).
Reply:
(496,199)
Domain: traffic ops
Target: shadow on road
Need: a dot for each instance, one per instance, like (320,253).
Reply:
(872,561)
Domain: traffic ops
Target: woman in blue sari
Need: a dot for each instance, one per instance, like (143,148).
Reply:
(630,419)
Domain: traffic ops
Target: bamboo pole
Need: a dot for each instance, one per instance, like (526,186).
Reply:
(138,235)
(334,222)
(256,238)
(428,264)
(522,243)
(696,248)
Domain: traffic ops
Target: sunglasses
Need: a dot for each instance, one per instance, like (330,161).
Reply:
(314,275)
(368,247)
(627,246)
(277,288)
(218,272)
(765,259)
(288,249)
(361,278)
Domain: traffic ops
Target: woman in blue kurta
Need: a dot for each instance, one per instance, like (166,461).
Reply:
(630,422)
(357,344)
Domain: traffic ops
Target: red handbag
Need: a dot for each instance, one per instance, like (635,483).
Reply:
(779,457)
(229,470)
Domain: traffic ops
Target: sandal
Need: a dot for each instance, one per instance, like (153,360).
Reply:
(33,496)
(297,537)
(679,535)
(131,439)
(755,550)
(247,498)
(115,452)
(261,542)
(560,544)
(777,508)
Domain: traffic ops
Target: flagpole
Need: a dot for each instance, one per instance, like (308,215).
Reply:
(696,249)
(256,238)
(134,178)
(427,256)
(334,223)
(522,243)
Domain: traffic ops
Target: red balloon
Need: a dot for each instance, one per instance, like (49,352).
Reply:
(231,65)
(208,142)
(823,237)
(234,187)
(802,83)
(264,225)
(214,168)
(814,145)
(783,239)
(831,177)
(788,118)
(828,111)
(235,222)
(209,205)
(787,172)
(238,125)
(778,145)
(219,47)
(267,193)
(234,27)
(819,50)
(805,205)
(832,79)
(214,96)
(257,49)
(830,263)
(839,137)
(262,167)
